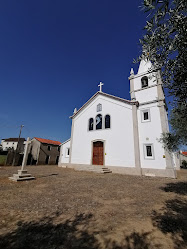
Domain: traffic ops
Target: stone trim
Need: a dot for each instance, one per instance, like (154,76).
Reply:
(131,85)
(136,139)
(60,157)
(65,142)
(151,71)
(71,140)
(164,122)
(38,153)
(147,87)
(133,98)
(170,173)
(151,102)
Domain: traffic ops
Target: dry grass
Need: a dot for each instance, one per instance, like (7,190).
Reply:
(63,208)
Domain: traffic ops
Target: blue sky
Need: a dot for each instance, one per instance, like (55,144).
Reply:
(55,53)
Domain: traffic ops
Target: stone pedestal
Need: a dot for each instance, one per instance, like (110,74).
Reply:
(22,175)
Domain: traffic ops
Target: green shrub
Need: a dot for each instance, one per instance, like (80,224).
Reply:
(184,164)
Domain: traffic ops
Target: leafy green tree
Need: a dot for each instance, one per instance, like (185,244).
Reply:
(165,45)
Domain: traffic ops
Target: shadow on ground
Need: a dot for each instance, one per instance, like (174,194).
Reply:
(78,233)
(172,218)
(178,188)
(70,234)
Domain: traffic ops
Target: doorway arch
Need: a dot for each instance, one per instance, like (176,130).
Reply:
(98,153)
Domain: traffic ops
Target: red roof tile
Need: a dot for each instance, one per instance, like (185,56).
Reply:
(184,153)
(47,141)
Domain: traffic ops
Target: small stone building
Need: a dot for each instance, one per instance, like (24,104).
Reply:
(43,151)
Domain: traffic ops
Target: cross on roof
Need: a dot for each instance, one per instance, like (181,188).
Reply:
(100,86)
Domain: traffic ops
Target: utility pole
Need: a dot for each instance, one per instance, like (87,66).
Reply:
(14,158)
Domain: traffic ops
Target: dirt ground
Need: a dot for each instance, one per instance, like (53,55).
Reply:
(65,209)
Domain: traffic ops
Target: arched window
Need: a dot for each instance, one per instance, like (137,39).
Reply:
(91,122)
(144,81)
(107,121)
(99,108)
(98,122)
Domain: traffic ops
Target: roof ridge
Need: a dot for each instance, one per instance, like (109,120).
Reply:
(116,97)
(105,94)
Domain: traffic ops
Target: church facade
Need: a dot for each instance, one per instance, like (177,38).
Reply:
(122,135)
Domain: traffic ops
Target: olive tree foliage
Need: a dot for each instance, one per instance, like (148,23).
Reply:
(165,45)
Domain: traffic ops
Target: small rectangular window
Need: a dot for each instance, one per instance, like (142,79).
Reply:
(144,81)
(49,147)
(145,115)
(99,108)
(91,123)
(148,151)
(67,152)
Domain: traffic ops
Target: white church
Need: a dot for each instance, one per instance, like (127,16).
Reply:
(112,134)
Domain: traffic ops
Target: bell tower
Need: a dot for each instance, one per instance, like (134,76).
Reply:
(146,85)
(146,88)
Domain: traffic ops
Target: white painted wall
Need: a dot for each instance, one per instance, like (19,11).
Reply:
(34,148)
(8,145)
(119,139)
(149,133)
(64,158)
(119,145)
(145,94)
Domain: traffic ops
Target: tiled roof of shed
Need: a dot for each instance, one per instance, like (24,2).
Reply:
(47,141)
(184,153)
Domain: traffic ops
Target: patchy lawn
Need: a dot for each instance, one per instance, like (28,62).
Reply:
(66,209)
(3,159)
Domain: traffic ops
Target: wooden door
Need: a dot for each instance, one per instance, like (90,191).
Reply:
(98,153)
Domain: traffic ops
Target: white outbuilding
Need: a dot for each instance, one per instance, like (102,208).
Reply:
(122,135)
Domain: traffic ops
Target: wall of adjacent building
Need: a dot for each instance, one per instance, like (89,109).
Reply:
(64,157)
(8,145)
(44,152)
(39,151)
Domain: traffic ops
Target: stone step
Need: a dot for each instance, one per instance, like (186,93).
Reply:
(107,171)
(102,171)
(22,175)
(16,179)
(95,169)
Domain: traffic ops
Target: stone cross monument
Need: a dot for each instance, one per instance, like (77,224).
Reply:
(22,174)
